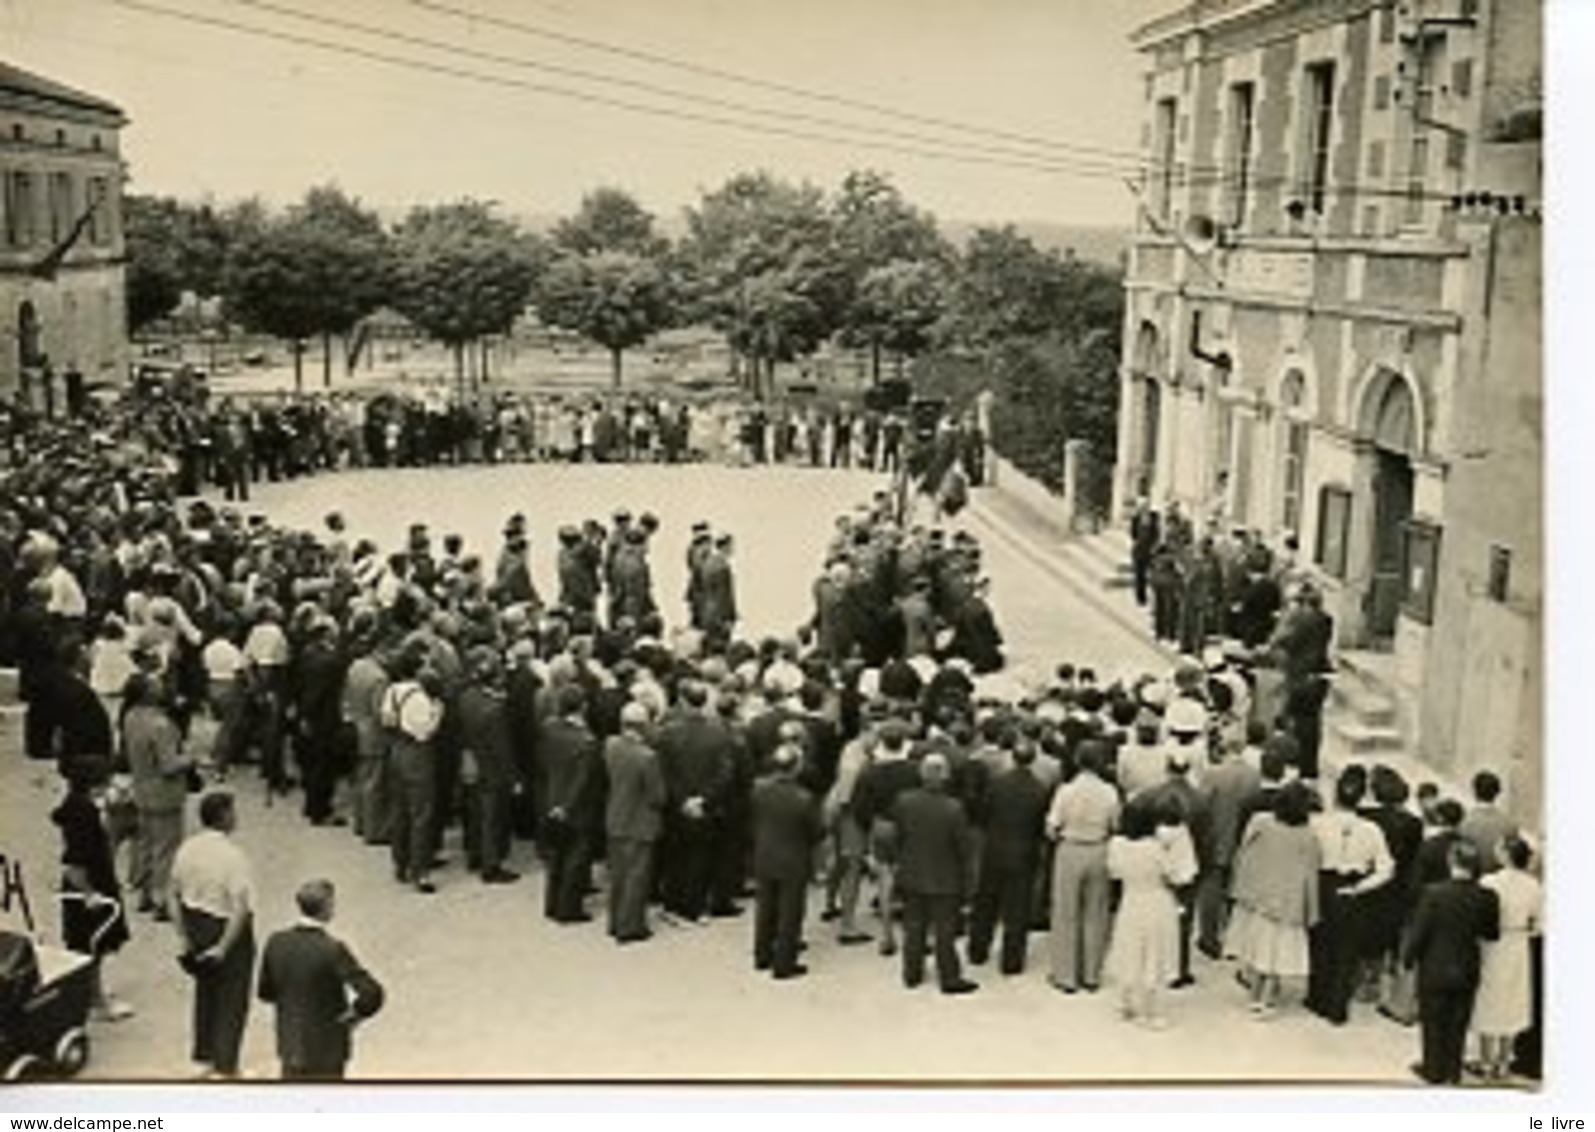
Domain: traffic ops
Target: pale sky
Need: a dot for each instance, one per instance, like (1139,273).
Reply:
(228,114)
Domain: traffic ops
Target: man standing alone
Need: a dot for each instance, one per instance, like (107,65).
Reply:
(319,988)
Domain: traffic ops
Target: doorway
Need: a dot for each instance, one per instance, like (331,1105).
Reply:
(1394,488)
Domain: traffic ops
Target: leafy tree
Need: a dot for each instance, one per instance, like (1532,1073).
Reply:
(610,220)
(762,256)
(893,257)
(617,299)
(312,273)
(462,272)
(172,247)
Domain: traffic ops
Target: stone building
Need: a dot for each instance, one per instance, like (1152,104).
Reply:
(1333,332)
(62,291)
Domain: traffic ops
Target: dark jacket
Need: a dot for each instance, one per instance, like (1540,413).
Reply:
(1016,815)
(636,789)
(571,772)
(320,989)
(786,827)
(697,756)
(933,843)
(485,733)
(1453,918)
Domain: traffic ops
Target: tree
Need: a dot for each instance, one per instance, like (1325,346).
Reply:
(172,247)
(312,273)
(764,268)
(894,260)
(617,299)
(610,220)
(462,273)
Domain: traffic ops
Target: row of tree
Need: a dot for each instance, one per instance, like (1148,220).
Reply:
(778,268)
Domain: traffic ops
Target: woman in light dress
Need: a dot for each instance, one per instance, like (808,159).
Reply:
(1502,1006)
(1275,890)
(1151,856)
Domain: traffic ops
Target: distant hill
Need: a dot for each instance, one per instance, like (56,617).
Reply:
(1098,243)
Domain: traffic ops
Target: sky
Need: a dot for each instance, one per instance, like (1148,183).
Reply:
(233,114)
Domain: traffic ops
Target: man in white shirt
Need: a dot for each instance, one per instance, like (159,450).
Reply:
(212,904)
(411,713)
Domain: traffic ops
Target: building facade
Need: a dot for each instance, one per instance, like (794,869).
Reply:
(1333,331)
(62,285)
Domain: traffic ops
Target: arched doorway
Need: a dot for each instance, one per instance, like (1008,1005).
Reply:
(1395,441)
(1149,408)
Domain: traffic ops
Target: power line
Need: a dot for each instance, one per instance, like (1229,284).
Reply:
(705,71)
(673,114)
(650,88)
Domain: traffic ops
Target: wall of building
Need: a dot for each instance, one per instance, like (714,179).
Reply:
(1482,706)
(81,311)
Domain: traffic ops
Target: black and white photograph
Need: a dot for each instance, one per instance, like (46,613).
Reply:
(843,542)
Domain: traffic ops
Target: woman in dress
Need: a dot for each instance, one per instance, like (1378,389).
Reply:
(1144,955)
(1502,1006)
(1276,897)
(93,921)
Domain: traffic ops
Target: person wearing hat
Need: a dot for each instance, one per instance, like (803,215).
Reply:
(488,768)
(633,821)
(512,576)
(578,564)
(786,828)
(889,773)
(698,549)
(1230,788)
(717,592)
(935,871)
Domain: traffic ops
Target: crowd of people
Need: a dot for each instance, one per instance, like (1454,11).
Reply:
(880,758)
(230,443)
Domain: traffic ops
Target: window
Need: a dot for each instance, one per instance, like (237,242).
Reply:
(1163,157)
(61,206)
(1334,521)
(1456,151)
(1294,475)
(1320,103)
(60,139)
(1242,125)
(1370,220)
(1381,93)
(19,209)
(1387,24)
(1376,159)
(1421,559)
(99,202)
(1462,78)
(1417,173)
(1500,578)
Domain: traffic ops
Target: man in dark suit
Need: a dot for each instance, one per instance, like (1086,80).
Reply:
(632,821)
(697,755)
(1453,918)
(933,872)
(1146,531)
(319,988)
(1015,813)
(571,783)
(786,827)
